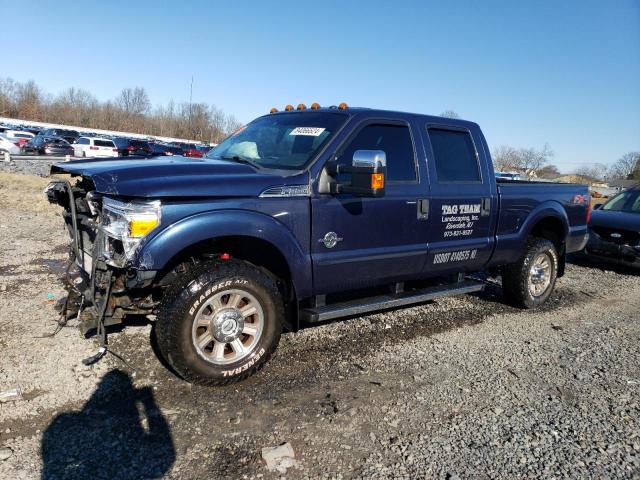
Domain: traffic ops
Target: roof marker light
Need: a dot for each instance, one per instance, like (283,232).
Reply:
(288,108)
(301,106)
(315,106)
(343,106)
(273,110)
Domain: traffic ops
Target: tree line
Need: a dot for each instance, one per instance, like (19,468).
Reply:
(627,167)
(535,162)
(131,111)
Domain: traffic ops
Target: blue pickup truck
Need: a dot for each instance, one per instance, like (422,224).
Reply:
(303,216)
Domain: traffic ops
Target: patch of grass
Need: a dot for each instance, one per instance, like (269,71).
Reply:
(24,192)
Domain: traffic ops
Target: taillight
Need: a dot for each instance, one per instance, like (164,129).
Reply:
(588,212)
(114,149)
(131,148)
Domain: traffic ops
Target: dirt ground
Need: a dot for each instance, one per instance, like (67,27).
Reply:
(458,388)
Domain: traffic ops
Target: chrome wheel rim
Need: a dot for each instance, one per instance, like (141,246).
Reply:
(227,327)
(540,274)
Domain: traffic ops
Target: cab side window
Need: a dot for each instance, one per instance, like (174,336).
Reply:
(455,155)
(395,141)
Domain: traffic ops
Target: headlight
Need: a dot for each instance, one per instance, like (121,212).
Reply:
(129,222)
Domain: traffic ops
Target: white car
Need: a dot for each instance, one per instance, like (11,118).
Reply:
(7,145)
(19,136)
(94,147)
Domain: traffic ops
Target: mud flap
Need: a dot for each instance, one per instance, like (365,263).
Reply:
(562,260)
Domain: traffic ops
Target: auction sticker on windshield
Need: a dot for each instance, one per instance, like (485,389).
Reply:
(308,131)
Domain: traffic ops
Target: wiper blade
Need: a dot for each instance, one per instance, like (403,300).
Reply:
(236,158)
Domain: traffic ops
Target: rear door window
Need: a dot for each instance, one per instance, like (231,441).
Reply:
(103,143)
(455,155)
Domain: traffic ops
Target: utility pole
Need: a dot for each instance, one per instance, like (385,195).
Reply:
(190,102)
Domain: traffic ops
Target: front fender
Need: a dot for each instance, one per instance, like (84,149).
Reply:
(159,250)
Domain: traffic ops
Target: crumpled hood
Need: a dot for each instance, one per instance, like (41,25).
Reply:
(176,176)
(612,219)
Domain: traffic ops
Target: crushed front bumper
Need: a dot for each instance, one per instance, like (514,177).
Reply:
(98,292)
(619,253)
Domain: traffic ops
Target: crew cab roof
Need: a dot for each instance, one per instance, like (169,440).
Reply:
(372,112)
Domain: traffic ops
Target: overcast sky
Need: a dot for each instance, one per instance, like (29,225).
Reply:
(562,72)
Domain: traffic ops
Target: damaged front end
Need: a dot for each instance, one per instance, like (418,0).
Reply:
(106,234)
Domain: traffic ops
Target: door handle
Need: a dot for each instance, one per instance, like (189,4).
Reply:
(423,209)
(486,207)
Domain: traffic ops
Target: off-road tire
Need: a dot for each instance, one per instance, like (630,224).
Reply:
(178,310)
(516,277)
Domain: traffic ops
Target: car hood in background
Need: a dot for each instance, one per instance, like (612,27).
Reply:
(177,176)
(611,219)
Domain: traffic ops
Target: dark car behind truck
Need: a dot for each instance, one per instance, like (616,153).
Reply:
(615,230)
(304,216)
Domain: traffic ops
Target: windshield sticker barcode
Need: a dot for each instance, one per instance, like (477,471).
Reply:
(308,131)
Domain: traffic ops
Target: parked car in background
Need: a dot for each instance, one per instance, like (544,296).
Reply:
(34,130)
(131,146)
(204,148)
(95,147)
(192,150)
(41,145)
(7,145)
(69,135)
(158,149)
(19,136)
(614,229)
(508,176)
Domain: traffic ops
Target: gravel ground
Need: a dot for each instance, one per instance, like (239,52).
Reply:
(458,388)
(29,166)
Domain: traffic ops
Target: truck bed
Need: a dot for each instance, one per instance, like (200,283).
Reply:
(522,201)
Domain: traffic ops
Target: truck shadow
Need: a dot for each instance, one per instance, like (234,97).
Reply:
(118,433)
(586,262)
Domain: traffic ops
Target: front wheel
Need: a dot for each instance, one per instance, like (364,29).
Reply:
(220,323)
(529,282)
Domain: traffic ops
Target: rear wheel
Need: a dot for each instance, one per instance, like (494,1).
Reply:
(220,323)
(529,282)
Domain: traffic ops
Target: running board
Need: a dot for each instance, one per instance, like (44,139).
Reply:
(382,302)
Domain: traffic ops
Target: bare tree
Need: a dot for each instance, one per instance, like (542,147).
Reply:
(626,166)
(548,172)
(526,160)
(7,95)
(29,99)
(134,101)
(506,158)
(596,172)
(449,114)
(534,159)
(130,111)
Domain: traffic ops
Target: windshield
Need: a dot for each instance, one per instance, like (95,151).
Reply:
(288,141)
(627,201)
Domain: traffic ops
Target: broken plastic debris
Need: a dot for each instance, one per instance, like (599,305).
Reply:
(5,453)
(51,296)
(12,395)
(279,458)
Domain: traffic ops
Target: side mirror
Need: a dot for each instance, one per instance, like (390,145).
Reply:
(368,170)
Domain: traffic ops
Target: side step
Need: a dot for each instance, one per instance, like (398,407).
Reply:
(381,302)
